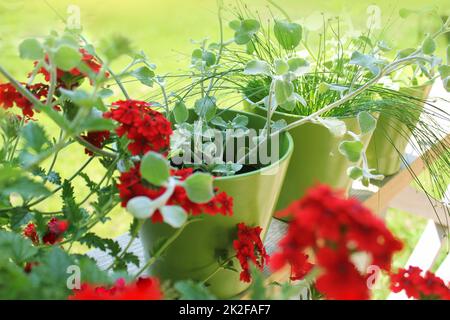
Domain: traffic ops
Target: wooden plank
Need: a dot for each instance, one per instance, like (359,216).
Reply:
(423,255)
(416,202)
(443,271)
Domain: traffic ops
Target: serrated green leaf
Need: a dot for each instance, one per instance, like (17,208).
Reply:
(190,290)
(35,136)
(16,247)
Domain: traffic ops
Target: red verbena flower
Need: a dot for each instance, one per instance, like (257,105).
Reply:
(9,97)
(54,234)
(96,138)
(132,185)
(334,228)
(249,248)
(142,289)
(418,286)
(72,78)
(147,129)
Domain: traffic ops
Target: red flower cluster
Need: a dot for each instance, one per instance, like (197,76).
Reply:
(147,129)
(96,138)
(9,97)
(427,287)
(54,234)
(71,79)
(131,185)
(249,247)
(334,228)
(142,289)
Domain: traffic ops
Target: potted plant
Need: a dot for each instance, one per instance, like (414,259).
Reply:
(305,86)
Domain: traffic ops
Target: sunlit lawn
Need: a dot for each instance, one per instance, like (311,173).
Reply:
(163,29)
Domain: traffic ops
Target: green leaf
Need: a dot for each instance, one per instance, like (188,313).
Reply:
(351,150)
(31,49)
(97,124)
(180,112)
(283,91)
(355,172)
(298,66)
(428,45)
(367,123)
(206,107)
(405,53)
(174,216)
(80,97)
(246,30)
(16,247)
(145,75)
(155,168)
(337,127)
(26,187)
(70,208)
(257,67)
(366,61)
(281,67)
(199,187)
(94,241)
(203,57)
(116,47)
(35,136)
(67,57)
(240,121)
(142,207)
(444,71)
(288,34)
(19,217)
(190,290)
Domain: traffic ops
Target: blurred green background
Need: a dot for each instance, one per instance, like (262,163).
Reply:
(164,28)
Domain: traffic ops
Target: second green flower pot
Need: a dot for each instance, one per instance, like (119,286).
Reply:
(195,253)
(391,136)
(316,157)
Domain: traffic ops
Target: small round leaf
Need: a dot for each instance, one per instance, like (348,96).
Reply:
(141,207)
(155,168)
(174,216)
(67,57)
(199,187)
(31,49)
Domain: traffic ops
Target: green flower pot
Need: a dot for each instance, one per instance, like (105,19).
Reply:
(316,158)
(390,138)
(195,253)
